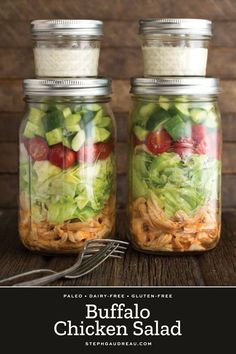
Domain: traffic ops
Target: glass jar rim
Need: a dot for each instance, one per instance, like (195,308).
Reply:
(175,86)
(67,27)
(176,26)
(68,87)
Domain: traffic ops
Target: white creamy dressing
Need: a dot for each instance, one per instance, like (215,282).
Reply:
(171,61)
(66,62)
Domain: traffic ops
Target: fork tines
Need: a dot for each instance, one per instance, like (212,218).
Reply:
(94,246)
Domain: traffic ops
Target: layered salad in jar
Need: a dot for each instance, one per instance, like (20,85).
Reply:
(67,174)
(174,175)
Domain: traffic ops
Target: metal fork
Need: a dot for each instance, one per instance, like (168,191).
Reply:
(94,253)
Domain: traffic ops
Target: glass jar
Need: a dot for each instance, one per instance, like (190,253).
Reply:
(66,48)
(67,164)
(175,47)
(175,165)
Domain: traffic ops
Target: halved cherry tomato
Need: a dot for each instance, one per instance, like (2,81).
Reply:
(104,150)
(92,152)
(184,146)
(201,148)
(209,145)
(37,148)
(158,142)
(61,156)
(198,133)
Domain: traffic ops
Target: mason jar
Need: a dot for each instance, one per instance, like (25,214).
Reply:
(66,48)
(175,165)
(175,47)
(67,164)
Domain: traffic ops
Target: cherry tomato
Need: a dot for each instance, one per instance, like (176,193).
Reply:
(87,153)
(158,142)
(61,156)
(37,148)
(92,152)
(201,148)
(184,146)
(198,133)
(104,150)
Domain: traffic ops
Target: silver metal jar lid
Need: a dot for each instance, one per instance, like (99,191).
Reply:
(184,26)
(68,87)
(67,27)
(174,86)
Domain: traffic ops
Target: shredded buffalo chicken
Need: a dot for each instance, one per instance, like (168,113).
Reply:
(151,229)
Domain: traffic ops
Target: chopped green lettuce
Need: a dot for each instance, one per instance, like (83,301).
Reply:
(176,183)
(59,195)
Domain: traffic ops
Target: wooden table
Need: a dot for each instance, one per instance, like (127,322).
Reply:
(215,268)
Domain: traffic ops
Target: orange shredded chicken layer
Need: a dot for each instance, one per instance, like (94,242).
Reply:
(68,237)
(151,229)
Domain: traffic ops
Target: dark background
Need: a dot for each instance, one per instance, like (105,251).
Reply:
(205,326)
(120,59)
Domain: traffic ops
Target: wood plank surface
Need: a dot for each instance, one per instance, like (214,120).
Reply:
(122,63)
(17,34)
(216,267)
(11,96)
(21,10)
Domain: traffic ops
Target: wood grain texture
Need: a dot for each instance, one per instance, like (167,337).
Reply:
(116,63)
(21,10)
(117,34)
(216,267)
(11,96)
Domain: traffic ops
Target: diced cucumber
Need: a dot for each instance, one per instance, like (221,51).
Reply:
(99,134)
(53,120)
(32,129)
(182,108)
(198,115)
(66,141)
(147,109)
(67,112)
(164,103)
(182,99)
(43,106)
(177,128)
(78,140)
(72,122)
(77,108)
(35,115)
(158,118)
(98,117)
(87,116)
(105,122)
(93,107)
(211,121)
(73,128)
(140,132)
(60,106)
(54,136)
(208,106)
